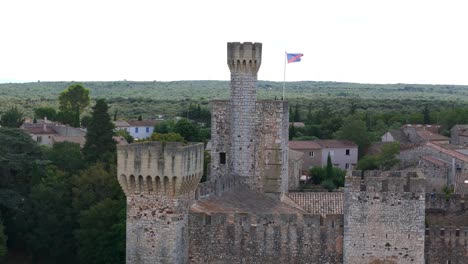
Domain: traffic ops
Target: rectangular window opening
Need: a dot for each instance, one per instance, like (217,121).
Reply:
(222,158)
(311,153)
(347,152)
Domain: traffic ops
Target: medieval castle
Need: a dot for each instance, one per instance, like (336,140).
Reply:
(244,213)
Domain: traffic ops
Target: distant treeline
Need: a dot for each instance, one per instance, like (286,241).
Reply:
(131,99)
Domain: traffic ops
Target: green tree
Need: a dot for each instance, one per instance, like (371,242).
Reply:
(387,158)
(164,127)
(73,101)
(354,130)
(187,129)
(101,235)
(51,237)
(94,184)
(66,156)
(125,134)
(329,168)
(297,115)
(45,111)
(3,240)
(167,137)
(99,142)
(12,118)
(140,118)
(85,121)
(426,115)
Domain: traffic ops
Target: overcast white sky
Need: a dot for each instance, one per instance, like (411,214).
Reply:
(375,41)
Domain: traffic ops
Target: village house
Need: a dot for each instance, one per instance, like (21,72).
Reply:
(442,166)
(343,153)
(47,133)
(142,129)
(411,134)
(459,135)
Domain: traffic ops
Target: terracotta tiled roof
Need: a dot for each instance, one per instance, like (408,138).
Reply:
(322,203)
(447,151)
(296,145)
(121,123)
(143,123)
(435,161)
(332,143)
(430,136)
(40,129)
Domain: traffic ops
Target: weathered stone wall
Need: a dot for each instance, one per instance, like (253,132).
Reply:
(249,137)
(157,229)
(384,218)
(159,180)
(443,210)
(220,139)
(411,157)
(271,138)
(436,175)
(294,168)
(244,60)
(446,244)
(255,238)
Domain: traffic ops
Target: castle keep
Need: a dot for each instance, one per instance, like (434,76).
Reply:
(249,136)
(244,213)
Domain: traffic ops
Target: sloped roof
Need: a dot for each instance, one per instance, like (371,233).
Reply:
(333,143)
(399,135)
(121,123)
(143,123)
(295,155)
(435,161)
(430,136)
(297,145)
(322,203)
(447,151)
(40,129)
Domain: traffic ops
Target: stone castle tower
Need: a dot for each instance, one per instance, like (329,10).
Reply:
(249,136)
(159,180)
(384,217)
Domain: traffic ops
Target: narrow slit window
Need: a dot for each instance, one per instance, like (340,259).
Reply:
(222,158)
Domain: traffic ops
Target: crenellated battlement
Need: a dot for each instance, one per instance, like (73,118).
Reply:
(282,220)
(452,203)
(244,57)
(265,238)
(156,168)
(385,181)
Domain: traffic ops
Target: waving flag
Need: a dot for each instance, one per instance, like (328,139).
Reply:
(294,57)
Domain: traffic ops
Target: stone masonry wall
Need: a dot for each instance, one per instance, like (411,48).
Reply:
(272,141)
(254,238)
(446,244)
(220,138)
(384,218)
(159,180)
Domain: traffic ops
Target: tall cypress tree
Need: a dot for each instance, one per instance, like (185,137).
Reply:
(99,142)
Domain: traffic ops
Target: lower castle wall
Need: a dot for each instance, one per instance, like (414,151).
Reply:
(446,245)
(157,230)
(246,238)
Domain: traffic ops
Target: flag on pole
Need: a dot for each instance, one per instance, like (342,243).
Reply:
(294,57)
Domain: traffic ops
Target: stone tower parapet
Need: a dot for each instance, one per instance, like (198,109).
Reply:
(244,57)
(384,217)
(159,180)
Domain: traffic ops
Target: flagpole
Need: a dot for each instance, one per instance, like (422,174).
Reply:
(284,74)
